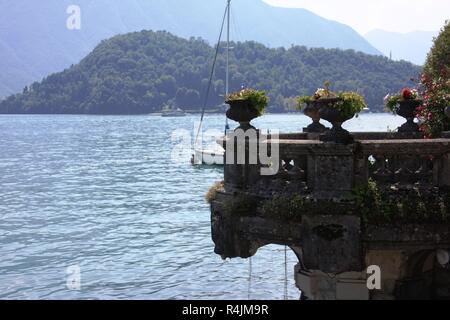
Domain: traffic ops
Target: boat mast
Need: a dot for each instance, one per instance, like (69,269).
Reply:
(227,72)
(227,88)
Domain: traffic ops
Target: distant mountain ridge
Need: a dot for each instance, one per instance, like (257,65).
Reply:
(35,42)
(140,72)
(411,46)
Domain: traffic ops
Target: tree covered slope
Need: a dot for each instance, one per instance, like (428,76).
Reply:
(141,72)
(35,42)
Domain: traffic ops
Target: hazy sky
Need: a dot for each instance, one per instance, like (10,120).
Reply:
(390,15)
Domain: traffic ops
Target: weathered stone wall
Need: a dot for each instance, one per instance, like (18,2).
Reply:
(322,203)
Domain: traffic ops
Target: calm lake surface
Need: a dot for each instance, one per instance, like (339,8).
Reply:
(104,194)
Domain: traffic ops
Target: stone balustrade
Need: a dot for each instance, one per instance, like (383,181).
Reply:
(382,200)
(332,170)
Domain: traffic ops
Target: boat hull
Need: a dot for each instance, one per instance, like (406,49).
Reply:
(173,115)
(208,157)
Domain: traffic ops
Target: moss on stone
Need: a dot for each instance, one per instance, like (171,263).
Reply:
(375,204)
(242,205)
(283,208)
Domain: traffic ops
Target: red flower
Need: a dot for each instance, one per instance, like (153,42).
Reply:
(406,93)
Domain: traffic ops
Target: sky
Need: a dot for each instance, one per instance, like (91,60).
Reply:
(366,15)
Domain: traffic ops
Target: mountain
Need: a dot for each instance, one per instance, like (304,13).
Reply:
(411,46)
(35,42)
(142,71)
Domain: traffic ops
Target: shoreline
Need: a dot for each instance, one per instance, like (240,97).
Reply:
(153,114)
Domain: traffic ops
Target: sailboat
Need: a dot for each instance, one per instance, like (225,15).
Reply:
(215,154)
(173,113)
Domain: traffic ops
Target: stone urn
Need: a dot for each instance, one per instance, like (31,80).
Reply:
(312,110)
(241,111)
(447,111)
(406,109)
(336,117)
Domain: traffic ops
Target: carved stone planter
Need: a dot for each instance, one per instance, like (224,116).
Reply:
(312,111)
(336,117)
(447,112)
(406,109)
(241,111)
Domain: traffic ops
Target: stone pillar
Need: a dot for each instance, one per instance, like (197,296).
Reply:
(441,171)
(317,285)
(242,165)
(331,170)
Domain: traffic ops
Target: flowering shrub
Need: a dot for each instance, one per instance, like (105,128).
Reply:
(435,89)
(439,56)
(436,95)
(257,99)
(391,101)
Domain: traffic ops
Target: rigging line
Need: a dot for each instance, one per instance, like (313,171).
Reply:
(285,274)
(249,277)
(211,75)
(233,26)
(237,30)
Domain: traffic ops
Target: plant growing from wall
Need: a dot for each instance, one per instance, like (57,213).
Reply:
(241,205)
(281,207)
(381,205)
(212,192)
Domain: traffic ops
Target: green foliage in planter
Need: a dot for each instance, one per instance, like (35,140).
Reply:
(302,101)
(257,99)
(349,103)
(391,102)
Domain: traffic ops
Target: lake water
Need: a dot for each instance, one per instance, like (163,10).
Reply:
(103,194)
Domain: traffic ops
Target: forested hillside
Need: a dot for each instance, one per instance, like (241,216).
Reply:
(143,71)
(35,41)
